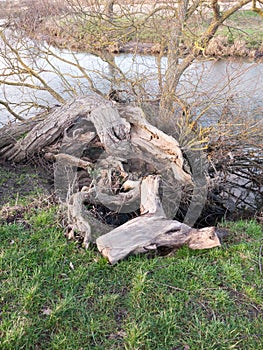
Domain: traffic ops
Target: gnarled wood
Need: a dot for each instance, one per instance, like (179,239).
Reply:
(123,131)
(152,230)
(119,150)
(81,222)
(52,127)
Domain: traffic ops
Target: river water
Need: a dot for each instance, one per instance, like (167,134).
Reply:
(210,86)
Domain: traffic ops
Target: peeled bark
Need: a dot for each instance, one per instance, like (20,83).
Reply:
(13,132)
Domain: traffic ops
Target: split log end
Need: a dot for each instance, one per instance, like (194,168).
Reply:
(205,238)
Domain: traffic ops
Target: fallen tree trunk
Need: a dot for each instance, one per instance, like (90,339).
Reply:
(11,133)
(49,130)
(108,158)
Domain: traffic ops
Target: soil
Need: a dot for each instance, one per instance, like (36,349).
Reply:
(22,180)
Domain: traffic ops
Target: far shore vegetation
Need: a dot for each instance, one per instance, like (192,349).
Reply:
(240,36)
(79,27)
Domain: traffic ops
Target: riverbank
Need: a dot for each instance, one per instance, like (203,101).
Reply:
(135,28)
(23,180)
(239,37)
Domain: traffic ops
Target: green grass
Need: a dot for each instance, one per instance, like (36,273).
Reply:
(55,295)
(244,25)
(4,176)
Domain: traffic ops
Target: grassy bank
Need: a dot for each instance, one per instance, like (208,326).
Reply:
(239,36)
(84,26)
(244,25)
(55,295)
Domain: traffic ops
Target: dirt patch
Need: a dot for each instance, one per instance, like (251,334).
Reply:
(17,181)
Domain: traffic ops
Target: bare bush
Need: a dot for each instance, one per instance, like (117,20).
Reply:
(29,14)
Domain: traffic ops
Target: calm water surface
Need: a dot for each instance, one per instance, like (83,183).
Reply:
(210,86)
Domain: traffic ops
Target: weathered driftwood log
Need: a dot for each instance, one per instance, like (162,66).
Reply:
(122,130)
(126,139)
(152,230)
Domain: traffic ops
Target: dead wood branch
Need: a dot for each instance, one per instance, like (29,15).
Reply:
(152,230)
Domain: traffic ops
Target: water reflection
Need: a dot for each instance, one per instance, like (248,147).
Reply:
(210,87)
